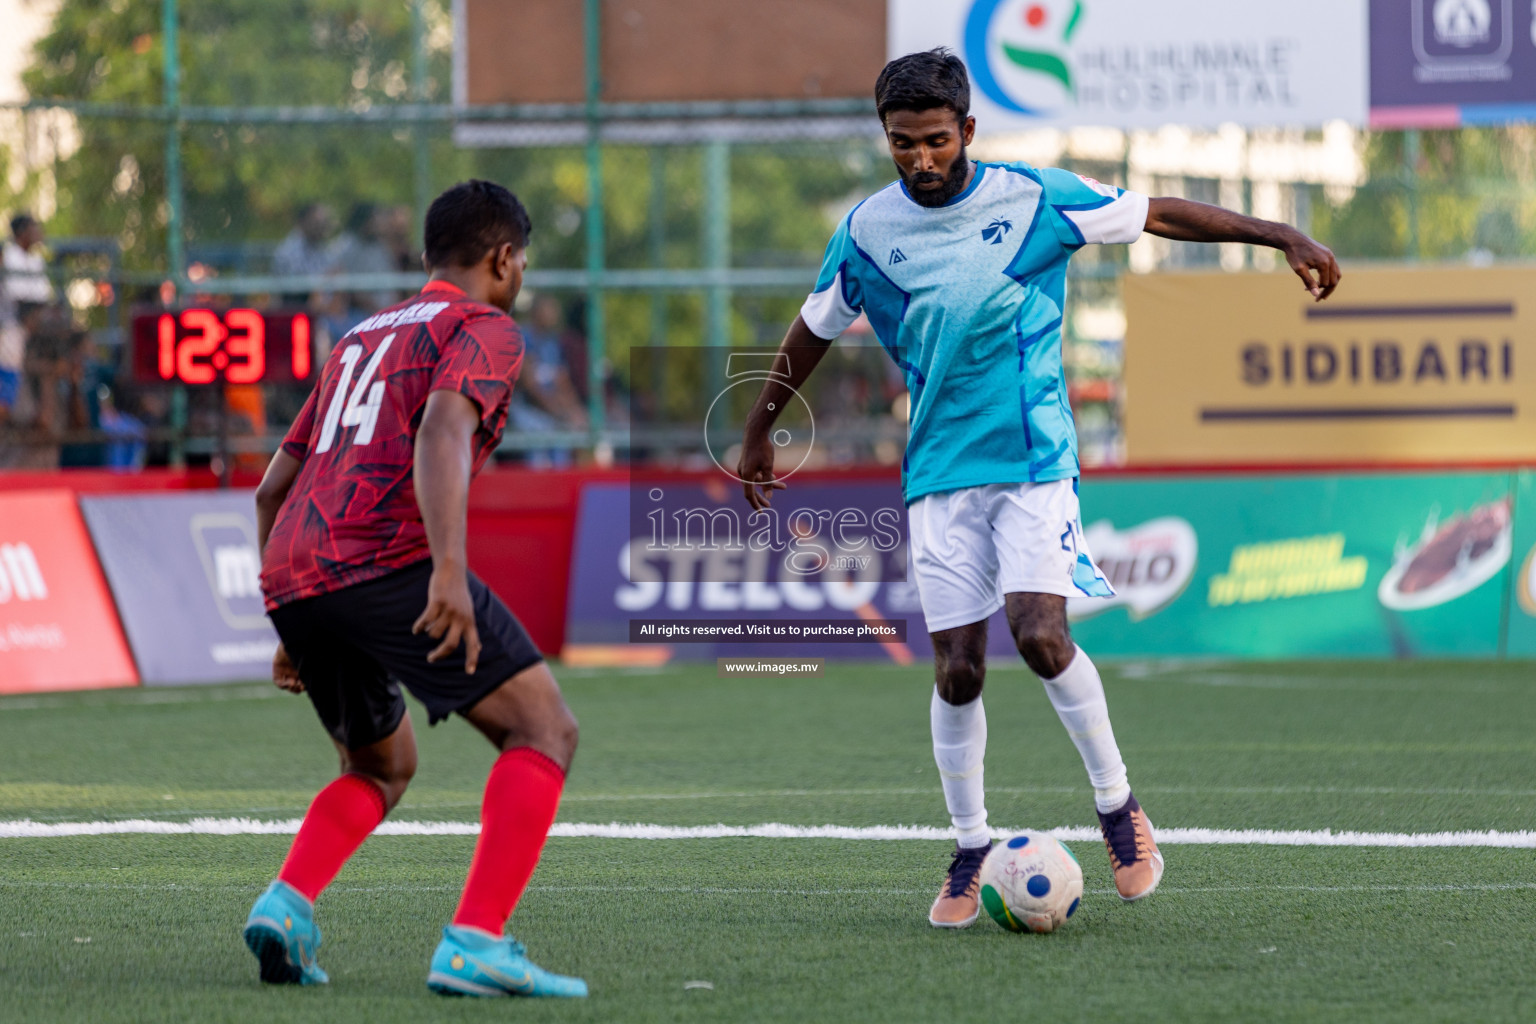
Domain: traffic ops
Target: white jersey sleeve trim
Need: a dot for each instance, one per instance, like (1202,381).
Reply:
(1115,223)
(826,312)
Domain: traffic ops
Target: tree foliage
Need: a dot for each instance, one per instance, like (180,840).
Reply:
(241,181)
(1469,194)
(245,182)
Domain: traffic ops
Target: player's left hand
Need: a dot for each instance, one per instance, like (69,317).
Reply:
(285,674)
(450,617)
(1307,257)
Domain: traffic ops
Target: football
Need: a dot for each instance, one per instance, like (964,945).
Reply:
(1031,883)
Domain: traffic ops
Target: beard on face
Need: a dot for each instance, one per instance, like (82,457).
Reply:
(953,183)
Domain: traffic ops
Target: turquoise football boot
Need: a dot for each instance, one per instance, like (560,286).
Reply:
(281,932)
(471,963)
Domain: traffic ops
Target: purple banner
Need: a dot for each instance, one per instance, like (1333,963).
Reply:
(626,570)
(1453,53)
(185,574)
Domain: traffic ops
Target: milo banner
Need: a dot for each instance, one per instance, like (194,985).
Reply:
(1378,565)
(185,573)
(1276,566)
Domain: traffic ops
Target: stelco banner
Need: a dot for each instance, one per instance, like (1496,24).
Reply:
(1140,64)
(686,570)
(1422,365)
(1275,566)
(57,627)
(185,573)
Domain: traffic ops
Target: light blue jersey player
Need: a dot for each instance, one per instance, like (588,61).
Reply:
(961,270)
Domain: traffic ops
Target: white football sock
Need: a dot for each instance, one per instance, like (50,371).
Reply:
(1078,696)
(959,745)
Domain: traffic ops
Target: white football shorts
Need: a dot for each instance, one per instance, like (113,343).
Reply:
(972,546)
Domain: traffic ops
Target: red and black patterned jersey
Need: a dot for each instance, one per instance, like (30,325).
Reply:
(351,514)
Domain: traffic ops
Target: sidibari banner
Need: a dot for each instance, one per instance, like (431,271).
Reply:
(186,575)
(57,627)
(1145,63)
(1434,365)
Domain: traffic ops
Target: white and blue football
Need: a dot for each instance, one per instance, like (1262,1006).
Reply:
(1031,883)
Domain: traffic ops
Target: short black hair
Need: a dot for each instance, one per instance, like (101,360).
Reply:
(471,219)
(21,222)
(924,81)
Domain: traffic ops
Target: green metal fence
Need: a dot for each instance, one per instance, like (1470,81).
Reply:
(660,223)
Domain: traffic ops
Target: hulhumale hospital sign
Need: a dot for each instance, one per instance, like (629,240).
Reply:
(1140,64)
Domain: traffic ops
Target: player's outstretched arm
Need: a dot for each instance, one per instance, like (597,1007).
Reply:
(1187,221)
(802,350)
(444,461)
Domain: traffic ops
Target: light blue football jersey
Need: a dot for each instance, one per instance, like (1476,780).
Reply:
(967,298)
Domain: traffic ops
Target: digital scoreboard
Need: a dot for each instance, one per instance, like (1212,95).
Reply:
(234,346)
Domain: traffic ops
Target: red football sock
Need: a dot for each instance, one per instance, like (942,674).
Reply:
(342,816)
(521,798)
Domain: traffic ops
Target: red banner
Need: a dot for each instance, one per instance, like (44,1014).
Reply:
(58,629)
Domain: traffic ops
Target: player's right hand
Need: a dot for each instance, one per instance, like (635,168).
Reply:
(450,617)
(1308,258)
(755,470)
(285,674)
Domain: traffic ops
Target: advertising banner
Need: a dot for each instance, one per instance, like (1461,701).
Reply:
(185,573)
(1135,64)
(825,574)
(1367,565)
(1401,365)
(1445,63)
(1520,635)
(1370,565)
(57,627)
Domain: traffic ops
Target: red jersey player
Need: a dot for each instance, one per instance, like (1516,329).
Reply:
(362,520)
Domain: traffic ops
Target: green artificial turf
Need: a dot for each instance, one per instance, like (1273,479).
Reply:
(146,928)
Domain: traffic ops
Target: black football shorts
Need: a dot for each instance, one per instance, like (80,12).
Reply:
(354,650)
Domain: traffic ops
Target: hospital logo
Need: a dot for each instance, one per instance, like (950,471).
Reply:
(1017,52)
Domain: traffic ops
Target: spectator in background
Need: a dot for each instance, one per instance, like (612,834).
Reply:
(22,264)
(53,401)
(307,251)
(363,249)
(125,448)
(23,287)
(398,221)
(545,399)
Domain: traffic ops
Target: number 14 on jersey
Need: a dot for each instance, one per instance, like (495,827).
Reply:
(355,406)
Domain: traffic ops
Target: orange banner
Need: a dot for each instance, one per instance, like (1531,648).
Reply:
(58,628)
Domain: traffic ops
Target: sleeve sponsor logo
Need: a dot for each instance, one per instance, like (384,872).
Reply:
(1148,565)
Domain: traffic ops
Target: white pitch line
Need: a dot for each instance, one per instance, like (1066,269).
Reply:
(27,829)
(770,891)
